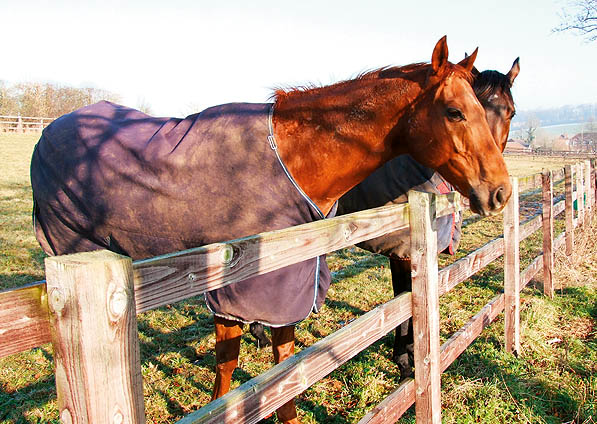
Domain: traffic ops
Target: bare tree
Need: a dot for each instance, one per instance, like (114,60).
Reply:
(8,102)
(529,130)
(580,17)
(144,106)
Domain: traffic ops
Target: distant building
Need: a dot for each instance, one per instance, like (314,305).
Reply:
(561,144)
(584,142)
(513,146)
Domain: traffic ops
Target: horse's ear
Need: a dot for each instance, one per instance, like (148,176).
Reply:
(468,61)
(439,59)
(474,71)
(513,73)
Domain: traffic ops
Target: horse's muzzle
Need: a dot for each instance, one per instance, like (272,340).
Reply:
(487,202)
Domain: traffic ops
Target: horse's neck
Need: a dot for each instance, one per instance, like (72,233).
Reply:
(330,140)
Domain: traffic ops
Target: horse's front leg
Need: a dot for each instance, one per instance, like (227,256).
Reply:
(283,347)
(228,334)
(403,341)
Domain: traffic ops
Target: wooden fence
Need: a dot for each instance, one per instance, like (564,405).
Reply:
(88,306)
(23,124)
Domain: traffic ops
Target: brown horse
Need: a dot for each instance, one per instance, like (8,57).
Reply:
(107,176)
(427,111)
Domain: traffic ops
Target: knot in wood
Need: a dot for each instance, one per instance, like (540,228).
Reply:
(227,254)
(57,301)
(118,418)
(66,417)
(118,302)
(349,230)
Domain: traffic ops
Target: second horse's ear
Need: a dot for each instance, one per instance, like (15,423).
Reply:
(462,63)
(469,61)
(439,58)
(513,72)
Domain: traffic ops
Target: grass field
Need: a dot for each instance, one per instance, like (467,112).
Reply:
(554,380)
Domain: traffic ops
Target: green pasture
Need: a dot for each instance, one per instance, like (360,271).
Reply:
(554,380)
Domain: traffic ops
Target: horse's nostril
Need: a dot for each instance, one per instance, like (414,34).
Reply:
(499,197)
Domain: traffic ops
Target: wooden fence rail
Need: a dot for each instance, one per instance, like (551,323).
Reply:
(54,311)
(23,124)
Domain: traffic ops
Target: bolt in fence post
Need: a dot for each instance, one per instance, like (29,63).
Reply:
(425,299)
(512,271)
(547,233)
(569,210)
(93,326)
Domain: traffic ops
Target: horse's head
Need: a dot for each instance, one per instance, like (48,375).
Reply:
(492,88)
(458,142)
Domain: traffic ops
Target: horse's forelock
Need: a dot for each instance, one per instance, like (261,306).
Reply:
(488,83)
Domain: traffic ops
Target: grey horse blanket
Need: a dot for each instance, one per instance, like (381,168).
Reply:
(390,185)
(110,177)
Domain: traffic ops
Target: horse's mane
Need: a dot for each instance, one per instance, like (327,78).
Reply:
(385,72)
(488,83)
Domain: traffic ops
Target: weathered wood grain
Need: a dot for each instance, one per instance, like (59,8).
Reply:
(569,210)
(512,271)
(93,326)
(425,310)
(547,234)
(23,318)
(265,393)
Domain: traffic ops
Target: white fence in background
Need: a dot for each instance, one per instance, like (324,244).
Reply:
(23,124)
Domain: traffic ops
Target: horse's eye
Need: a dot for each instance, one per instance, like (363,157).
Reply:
(454,115)
(513,115)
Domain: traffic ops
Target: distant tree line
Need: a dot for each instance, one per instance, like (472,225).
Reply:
(48,100)
(569,114)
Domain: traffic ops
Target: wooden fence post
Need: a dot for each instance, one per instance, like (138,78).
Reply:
(569,211)
(93,327)
(512,271)
(580,204)
(547,233)
(20,124)
(588,202)
(425,299)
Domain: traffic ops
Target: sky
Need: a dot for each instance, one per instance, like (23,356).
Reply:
(183,56)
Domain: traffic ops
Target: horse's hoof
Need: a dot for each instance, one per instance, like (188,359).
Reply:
(406,373)
(263,342)
(404,366)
